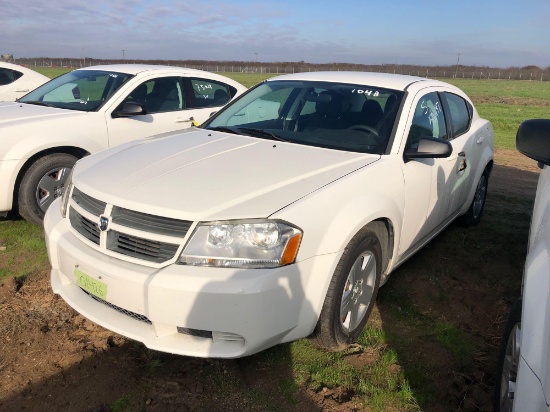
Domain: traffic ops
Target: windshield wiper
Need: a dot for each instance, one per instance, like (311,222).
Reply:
(223,129)
(38,103)
(262,133)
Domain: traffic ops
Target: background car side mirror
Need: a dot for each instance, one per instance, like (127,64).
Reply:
(130,109)
(429,148)
(533,140)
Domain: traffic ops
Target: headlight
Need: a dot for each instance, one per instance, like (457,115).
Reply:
(247,244)
(66,194)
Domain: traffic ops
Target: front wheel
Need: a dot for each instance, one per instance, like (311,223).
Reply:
(42,183)
(508,361)
(351,293)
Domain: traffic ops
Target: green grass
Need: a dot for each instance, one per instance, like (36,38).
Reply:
(477,89)
(380,385)
(22,249)
(51,72)
(121,404)
(506,118)
(453,339)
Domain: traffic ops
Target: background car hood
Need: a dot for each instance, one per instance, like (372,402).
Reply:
(204,175)
(15,113)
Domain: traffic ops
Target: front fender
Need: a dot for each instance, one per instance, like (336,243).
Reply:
(23,142)
(347,205)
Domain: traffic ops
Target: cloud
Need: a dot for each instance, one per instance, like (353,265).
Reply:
(317,32)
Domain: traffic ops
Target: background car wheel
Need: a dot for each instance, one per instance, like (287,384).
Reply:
(42,183)
(352,291)
(508,361)
(473,215)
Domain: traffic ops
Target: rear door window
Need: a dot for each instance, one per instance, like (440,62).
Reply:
(209,93)
(459,113)
(8,76)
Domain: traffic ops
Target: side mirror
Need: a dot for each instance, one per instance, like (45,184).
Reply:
(130,109)
(533,140)
(429,148)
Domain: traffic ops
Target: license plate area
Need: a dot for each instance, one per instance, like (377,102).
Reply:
(91,285)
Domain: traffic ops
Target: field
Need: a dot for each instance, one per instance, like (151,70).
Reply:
(430,344)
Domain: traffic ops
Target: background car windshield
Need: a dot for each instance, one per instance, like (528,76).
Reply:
(355,118)
(84,90)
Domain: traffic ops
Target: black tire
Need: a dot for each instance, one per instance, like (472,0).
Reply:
(508,361)
(337,327)
(42,183)
(473,215)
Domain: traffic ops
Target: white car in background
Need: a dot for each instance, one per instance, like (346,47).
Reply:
(279,218)
(16,81)
(523,377)
(87,110)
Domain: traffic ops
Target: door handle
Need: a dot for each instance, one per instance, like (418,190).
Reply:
(480,139)
(462,154)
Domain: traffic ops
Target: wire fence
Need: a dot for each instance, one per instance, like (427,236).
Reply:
(532,73)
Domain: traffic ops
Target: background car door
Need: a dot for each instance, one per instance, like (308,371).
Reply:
(164,101)
(205,97)
(171,104)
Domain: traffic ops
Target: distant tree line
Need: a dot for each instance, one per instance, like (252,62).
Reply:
(530,72)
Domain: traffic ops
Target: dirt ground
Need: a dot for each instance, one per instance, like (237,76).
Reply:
(52,359)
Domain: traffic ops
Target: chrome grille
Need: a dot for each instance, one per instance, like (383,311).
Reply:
(85,227)
(134,315)
(88,203)
(151,238)
(150,223)
(133,246)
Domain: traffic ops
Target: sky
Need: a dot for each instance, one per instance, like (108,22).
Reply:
(421,32)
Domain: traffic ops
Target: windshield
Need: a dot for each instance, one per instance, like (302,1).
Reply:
(84,90)
(348,117)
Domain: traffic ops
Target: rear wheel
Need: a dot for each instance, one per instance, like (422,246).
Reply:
(42,183)
(352,291)
(473,215)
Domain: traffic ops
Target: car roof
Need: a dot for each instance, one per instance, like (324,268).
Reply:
(386,80)
(138,68)
(17,67)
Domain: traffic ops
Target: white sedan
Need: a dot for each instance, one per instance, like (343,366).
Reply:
(278,219)
(90,109)
(523,378)
(16,81)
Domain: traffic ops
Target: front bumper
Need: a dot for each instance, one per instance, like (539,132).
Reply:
(8,170)
(195,311)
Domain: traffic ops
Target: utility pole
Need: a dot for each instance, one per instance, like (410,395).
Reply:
(457,61)
(123,54)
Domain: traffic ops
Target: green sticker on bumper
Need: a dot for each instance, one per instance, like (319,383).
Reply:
(91,285)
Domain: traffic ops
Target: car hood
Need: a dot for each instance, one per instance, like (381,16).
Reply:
(15,113)
(205,175)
